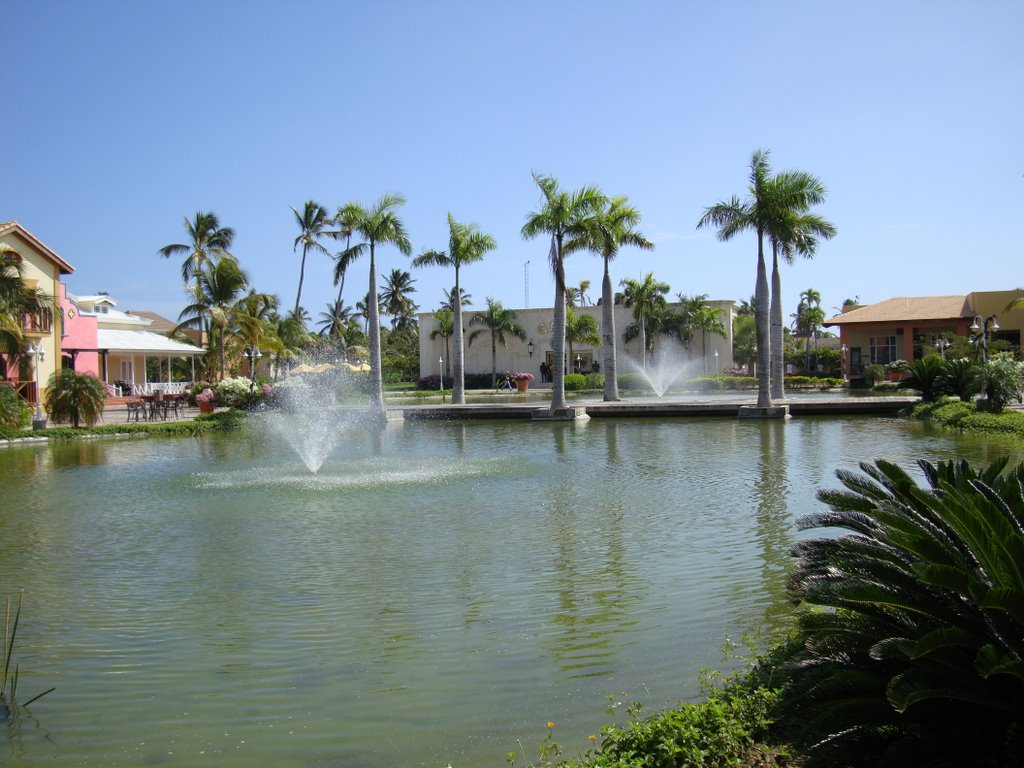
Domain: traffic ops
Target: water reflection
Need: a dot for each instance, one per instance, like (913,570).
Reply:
(774,523)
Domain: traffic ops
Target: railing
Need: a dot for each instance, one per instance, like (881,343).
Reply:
(26,390)
(168,388)
(37,322)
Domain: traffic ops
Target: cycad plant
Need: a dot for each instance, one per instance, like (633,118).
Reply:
(927,376)
(75,397)
(912,633)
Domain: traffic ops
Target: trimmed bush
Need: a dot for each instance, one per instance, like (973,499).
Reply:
(575,382)
(633,382)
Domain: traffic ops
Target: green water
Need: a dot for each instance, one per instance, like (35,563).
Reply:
(434,594)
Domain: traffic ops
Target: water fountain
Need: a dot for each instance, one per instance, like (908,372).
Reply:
(668,366)
(308,417)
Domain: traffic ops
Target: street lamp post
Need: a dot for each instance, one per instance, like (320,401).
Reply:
(942,345)
(252,354)
(440,377)
(843,349)
(38,354)
(982,330)
(716,362)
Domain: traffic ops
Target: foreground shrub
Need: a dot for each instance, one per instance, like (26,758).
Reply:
(1002,378)
(964,416)
(633,381)
(15,413)
(75,397)
(961,377)
(575,382)
(927,376)
(912,629)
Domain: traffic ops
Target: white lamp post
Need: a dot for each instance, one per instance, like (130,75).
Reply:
(252,354)
(38,354)
(716,362)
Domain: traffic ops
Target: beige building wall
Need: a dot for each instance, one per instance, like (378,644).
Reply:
(537,324)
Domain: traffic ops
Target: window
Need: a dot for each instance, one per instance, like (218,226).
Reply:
(883,349)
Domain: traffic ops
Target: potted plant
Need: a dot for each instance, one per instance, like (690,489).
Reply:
(205,401)
(522,380)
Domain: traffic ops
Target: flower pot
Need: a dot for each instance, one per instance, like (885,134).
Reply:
(522,385)
(206,406)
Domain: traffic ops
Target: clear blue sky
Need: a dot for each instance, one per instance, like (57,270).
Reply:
(122,118)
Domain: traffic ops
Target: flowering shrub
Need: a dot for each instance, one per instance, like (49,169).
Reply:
(234,391)
(522,376)
(266,389)
(206,396)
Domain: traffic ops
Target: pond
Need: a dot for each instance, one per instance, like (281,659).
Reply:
(435,594)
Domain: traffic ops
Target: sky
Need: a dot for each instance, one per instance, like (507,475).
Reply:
(124,118)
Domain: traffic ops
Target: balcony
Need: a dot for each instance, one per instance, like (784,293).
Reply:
(37,322)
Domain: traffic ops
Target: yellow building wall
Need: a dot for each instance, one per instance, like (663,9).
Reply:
(39,271)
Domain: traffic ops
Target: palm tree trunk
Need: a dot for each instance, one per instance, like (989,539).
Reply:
(302,274)
(611,384)
(643,341)
(558,334)
(373,320)
(778,357)
(494,361)
(764,396)
(459,384)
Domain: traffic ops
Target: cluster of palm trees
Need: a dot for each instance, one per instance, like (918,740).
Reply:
(778,208)
(232,315)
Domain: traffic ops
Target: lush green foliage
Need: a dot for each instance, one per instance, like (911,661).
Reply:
(633,382)
(926,376)
(964,416)
(1002,378)
(575,382)
(961,377)
(912,628)
(223,421)
(14,412)
(75,397)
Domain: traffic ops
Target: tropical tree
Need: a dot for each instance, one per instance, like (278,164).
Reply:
(449,299)
(466,245)
(208,242)
(733,216)
(580,329)
(312,226)
(344,259)
(612,228)
(647,298)
(17,300)
(562,215)
(218,288)
(398,303)
(335,319)
(445,329)
(708,319)
(75,397)
(792,231)
(499,323)
(744,341)
(378,225)
(251,322)
(910,641)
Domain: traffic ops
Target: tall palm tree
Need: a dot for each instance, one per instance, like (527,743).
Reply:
(378,224)
(312,226)
(445,329)
(397,299)
(792,231)
(563,216)
(707,319)
(580,329)
(335,320)
(755,213)
(646,297)
(213,298)
(449,299)
(498,322)
(208,242)
(613,227)
(466,245)
(342,260)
